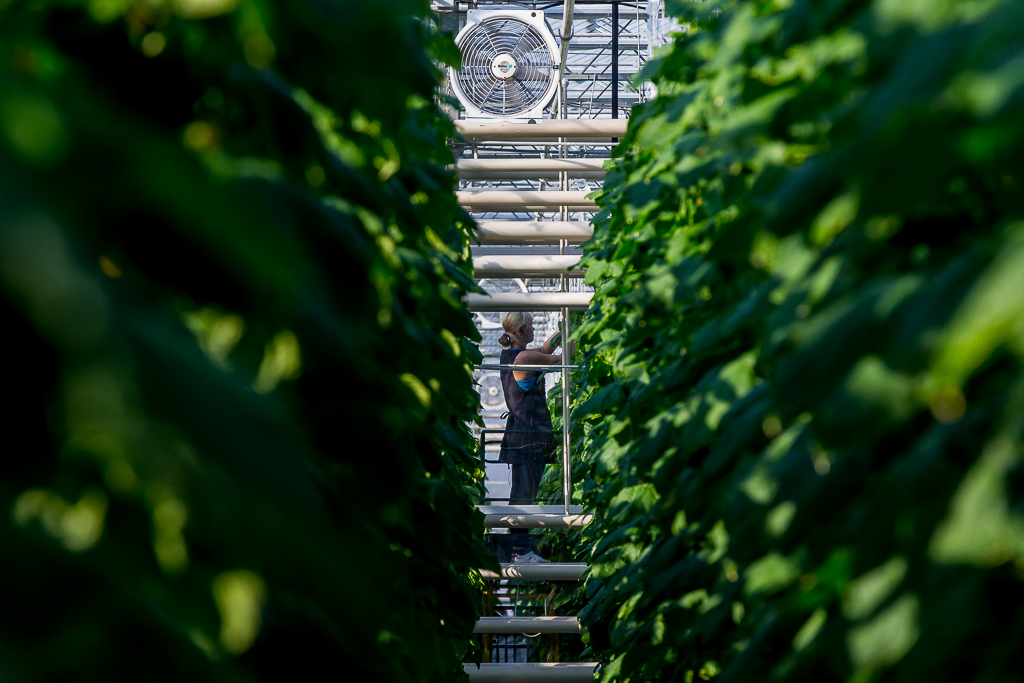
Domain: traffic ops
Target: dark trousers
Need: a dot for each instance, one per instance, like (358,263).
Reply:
(525,480)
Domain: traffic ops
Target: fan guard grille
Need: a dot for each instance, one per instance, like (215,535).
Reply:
(491,39)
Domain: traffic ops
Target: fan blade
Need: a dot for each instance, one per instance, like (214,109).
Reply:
(486,30)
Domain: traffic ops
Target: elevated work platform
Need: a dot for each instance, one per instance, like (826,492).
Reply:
(534,516)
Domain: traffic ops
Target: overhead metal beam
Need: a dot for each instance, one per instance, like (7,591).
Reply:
(537,571)
(524,198)
(533,232)
(545,128)
(542,672)
(529,301)
(526,266)
(528,625)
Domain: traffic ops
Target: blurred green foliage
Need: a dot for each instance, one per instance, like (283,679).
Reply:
(237,360)
(802,416)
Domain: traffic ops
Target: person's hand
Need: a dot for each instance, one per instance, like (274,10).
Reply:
(572,346)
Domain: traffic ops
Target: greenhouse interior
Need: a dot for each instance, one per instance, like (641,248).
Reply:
(495,342)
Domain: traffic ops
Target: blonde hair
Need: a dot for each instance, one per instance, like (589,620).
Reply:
(511,322)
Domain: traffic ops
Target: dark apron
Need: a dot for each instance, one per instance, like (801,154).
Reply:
(528,436)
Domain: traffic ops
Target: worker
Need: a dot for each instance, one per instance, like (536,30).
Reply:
(528,443)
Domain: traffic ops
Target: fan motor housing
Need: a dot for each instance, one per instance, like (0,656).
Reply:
(509,65)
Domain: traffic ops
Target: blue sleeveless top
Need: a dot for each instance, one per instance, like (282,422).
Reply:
(526,384)
(527,435)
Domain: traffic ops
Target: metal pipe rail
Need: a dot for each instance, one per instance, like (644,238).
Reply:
(547,520)
(531,208)
(528,625)
(529,301)
(526,266)
(545,128)
(569,166)
(524,175)
(533,232)
(563,49)
(539,571)
(534,516)
(546,142)
(525,198)
(545,672)
(524,367)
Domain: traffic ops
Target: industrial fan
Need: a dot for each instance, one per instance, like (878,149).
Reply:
(509,64)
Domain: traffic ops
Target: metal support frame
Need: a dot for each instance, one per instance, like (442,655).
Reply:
(615,61)
(512,260)
(566,460)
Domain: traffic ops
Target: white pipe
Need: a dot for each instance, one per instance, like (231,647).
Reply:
(526,509)
(538,521)
(570,165)
(528,208)
(567,14)
(528,625)
(551,198)
(526,266)
(533,232)
(527,175)
(545,128)
(529,301)
(543,672)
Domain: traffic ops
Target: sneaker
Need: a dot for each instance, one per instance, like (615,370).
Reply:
(529,558)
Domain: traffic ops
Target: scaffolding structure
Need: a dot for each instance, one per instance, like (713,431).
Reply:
(526,183)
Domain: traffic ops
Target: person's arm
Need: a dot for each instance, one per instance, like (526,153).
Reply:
(548,347)
(537,357)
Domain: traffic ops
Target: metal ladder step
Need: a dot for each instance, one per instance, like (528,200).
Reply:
(529,301)
(533,232)
(537,571)
(528,625)
(563,672)
(526,266)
